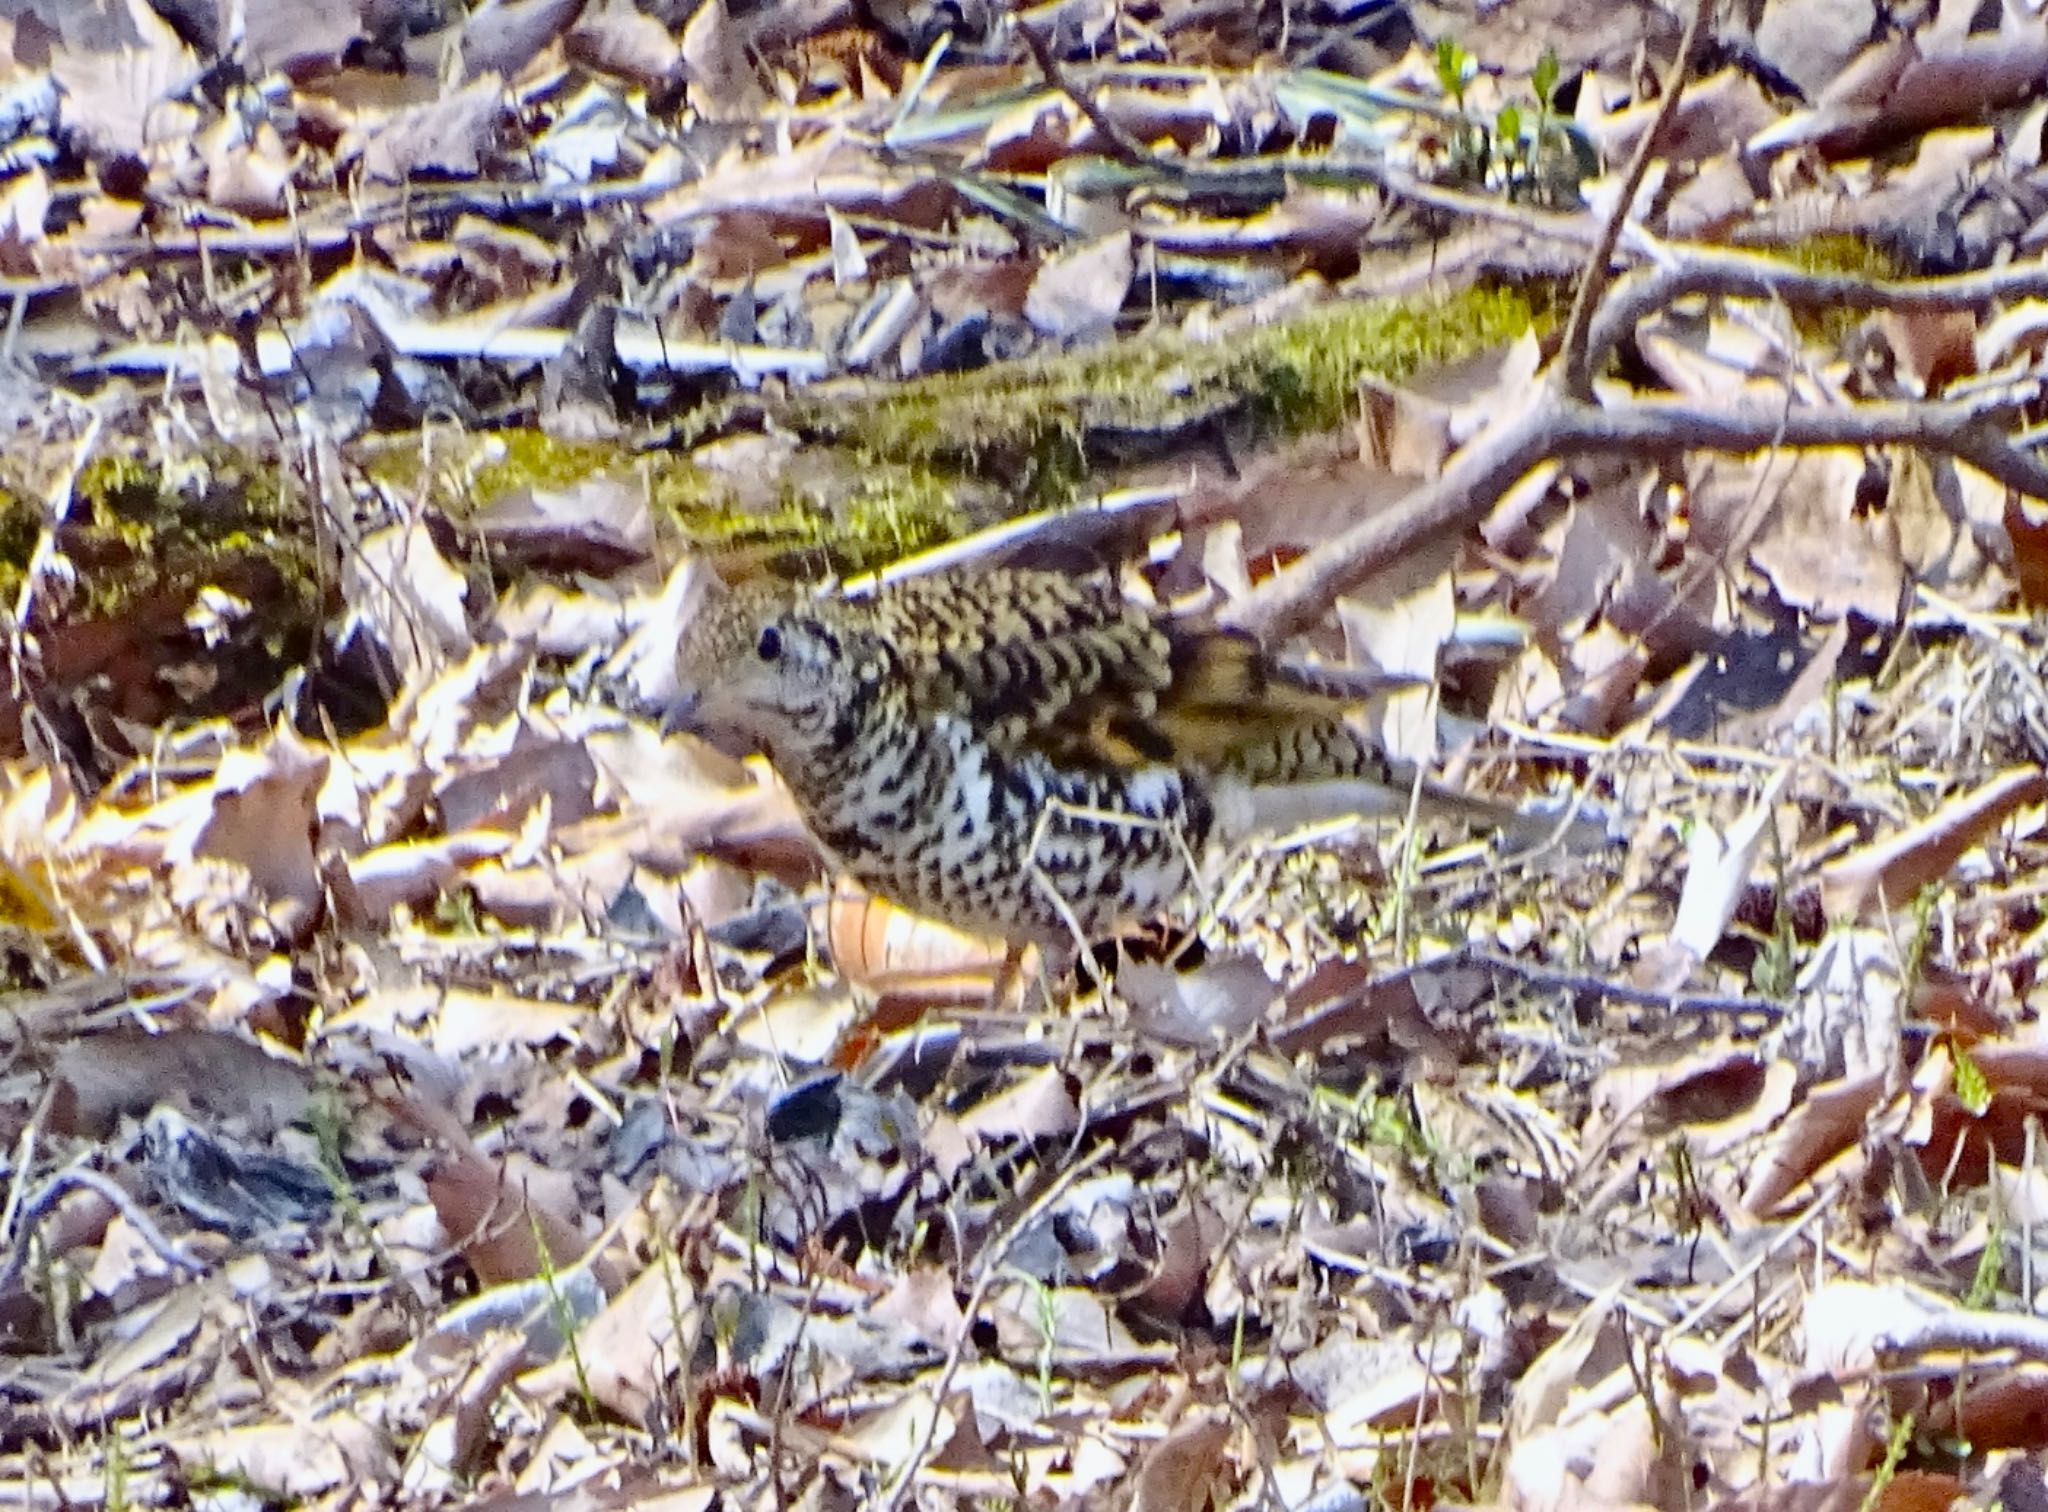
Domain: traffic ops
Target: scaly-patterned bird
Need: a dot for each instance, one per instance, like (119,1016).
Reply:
(1025,754)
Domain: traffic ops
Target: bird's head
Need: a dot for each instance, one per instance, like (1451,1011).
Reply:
(758,670)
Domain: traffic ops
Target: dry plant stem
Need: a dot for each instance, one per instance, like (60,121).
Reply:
(1709,1305)
(24,1166)
(1574,230)
(1586,985)
(986,1266)
(1556,426)
(1573,351)
(1311,1029)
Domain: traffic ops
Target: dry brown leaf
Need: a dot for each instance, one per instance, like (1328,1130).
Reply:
(1288,498)
(298,1459)
(1321,227)
(1933,347)
(260,816)
(207,1073)
(1401,622)
(501,37)
(1029,137)
(1871,76)
(1180,1472)
(2026,527)
(888,1438)
(721,75)
(1830,1122)
(1811,42)
(462,1020)
(300,37)
(629,1354)
(1610,41)
(121,86)
(405,589)
(1039,1106)
(1957,1138)
(414,871)
(1190,1238)
(2007,1410)
(24,208)
(1597,692)
(498,1224)
(1719,1098)
(1365,1386)
(617,37)
(881,947)
(802,1027)
(1077,295)
(801,184)
(1799,519)
(248,175)
(1729,106)
(1718,865)
(922,1302)
(1918,93)
(1602,1462)
(447,135)
(1218,1000)
(1438,411)
(39,871)
(153,1353)
(1542,1394)
(598,524)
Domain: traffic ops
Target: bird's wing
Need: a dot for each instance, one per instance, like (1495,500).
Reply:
(1035,661)
(1069,666)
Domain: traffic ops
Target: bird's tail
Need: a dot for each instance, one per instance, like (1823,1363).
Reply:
(1274,808)
(1328,770)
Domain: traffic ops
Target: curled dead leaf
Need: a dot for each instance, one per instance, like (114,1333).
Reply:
(883,948)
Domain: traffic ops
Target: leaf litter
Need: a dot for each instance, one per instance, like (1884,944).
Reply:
(428,1080)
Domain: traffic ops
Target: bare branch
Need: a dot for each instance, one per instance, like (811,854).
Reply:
(1739,275)
(1459,497)
(1555,426)
(1573,354)
(1121,143)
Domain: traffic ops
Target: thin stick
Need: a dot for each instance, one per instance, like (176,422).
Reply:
(1572,359)
(1122,144)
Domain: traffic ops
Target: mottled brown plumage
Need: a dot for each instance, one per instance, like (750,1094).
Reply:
(1024,754)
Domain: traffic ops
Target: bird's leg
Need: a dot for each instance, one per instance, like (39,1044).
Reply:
(1009,980)
(1086,814)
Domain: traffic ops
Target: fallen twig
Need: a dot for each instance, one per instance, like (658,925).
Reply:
(1574,359)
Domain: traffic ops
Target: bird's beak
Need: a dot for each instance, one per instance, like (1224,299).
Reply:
(679,714)
(711,719)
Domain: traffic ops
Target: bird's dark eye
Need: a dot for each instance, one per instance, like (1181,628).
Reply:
(769,647)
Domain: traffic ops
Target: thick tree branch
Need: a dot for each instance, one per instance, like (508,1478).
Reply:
(1738,275)
(1555,427)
